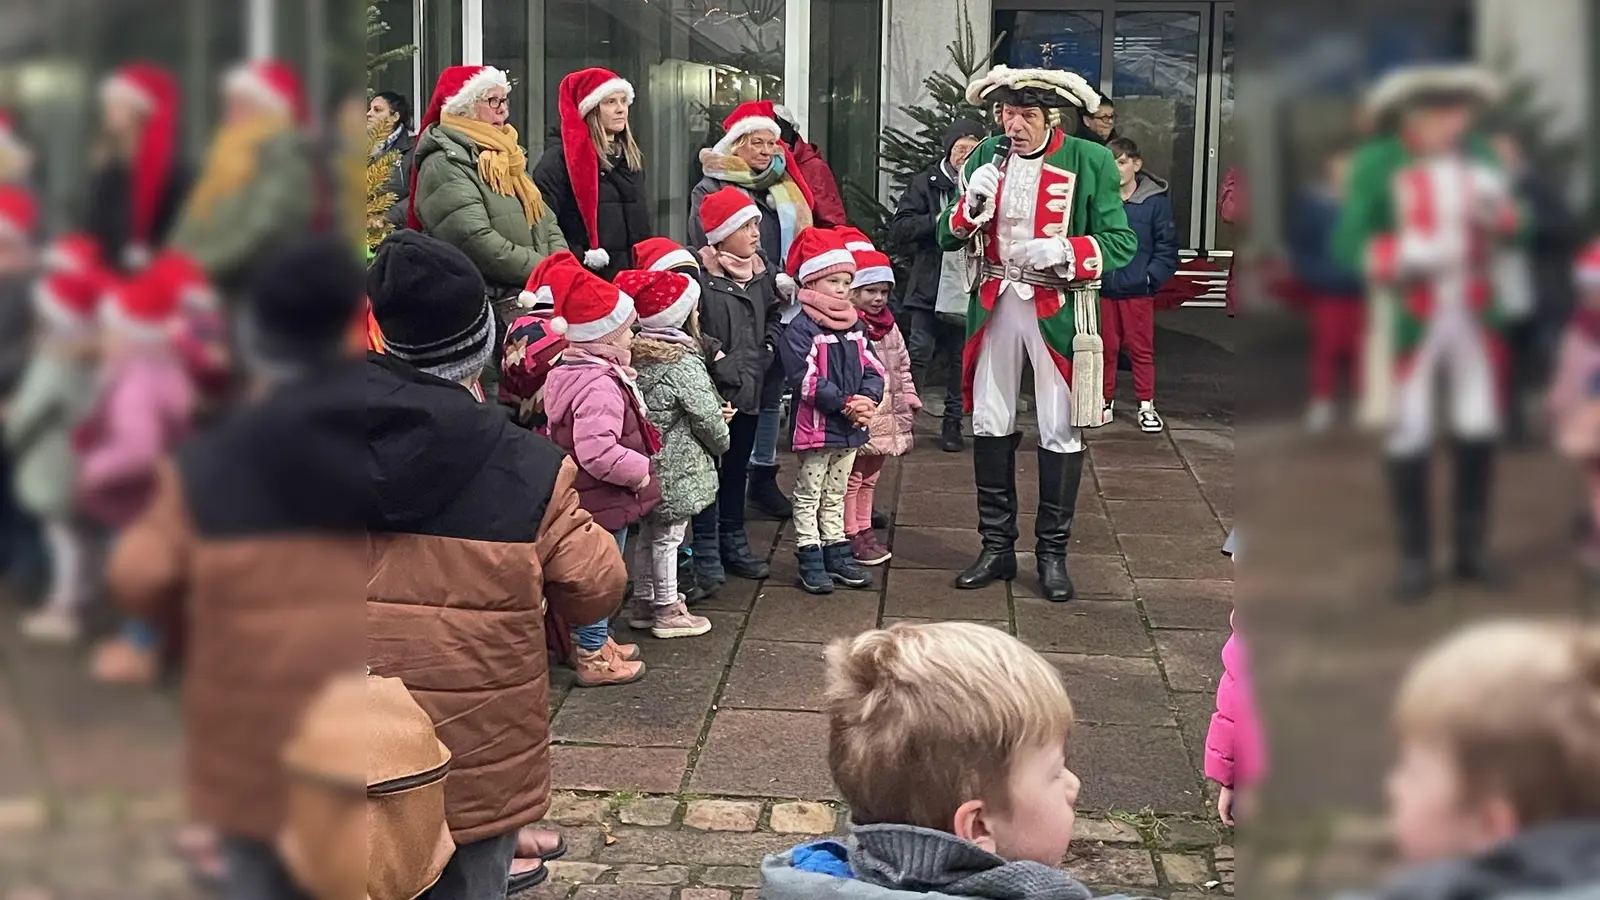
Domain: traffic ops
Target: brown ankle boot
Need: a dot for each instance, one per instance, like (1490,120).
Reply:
(602,667)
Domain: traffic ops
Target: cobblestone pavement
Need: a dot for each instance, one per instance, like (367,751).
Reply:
(674,788)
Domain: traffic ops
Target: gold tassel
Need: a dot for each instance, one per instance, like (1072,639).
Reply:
(1378,361)
(1088,359)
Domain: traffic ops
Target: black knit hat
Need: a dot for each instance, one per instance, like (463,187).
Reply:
(303,298)
(429,300)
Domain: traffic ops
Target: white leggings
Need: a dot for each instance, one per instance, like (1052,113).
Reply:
(655,562)
(1455,349)
(69,566)
(1012,337)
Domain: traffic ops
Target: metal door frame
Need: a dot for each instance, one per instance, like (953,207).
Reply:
(1212,76)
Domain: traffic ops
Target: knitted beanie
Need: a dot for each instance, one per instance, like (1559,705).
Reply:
(429,301)
(304,296)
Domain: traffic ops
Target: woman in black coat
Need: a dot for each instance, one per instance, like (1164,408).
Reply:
(140,181)
(394,110)
(592,174)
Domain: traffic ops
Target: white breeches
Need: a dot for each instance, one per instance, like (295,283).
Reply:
(1011,337)
(1452,347)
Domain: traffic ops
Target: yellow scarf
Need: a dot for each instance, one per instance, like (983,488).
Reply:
(232,161)
(502,164)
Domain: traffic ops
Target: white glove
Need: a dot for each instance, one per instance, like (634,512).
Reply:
(786,286)
(982,188)
(1040,254)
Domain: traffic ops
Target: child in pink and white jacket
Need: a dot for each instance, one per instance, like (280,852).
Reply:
(892,425)
(597,414)
(1574,398)
(1235,750)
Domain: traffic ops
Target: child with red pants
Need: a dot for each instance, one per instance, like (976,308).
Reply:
(892,424)
(1334,295)
(1575,393)
(1127,308)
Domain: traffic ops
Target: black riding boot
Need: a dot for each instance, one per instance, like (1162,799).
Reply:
(1059,477)
(994,469)
(1408,487)
(1474,477)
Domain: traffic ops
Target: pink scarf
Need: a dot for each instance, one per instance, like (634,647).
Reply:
(829,312)
(620,357)
(739,268)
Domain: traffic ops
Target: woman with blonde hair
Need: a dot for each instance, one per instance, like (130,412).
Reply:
(594,174)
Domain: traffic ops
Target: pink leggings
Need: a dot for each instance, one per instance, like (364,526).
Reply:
(858,494)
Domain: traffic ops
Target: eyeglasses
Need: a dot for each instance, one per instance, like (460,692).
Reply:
(497,102)
(1112,117)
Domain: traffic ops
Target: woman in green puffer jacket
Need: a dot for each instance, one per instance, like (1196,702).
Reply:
(471,187)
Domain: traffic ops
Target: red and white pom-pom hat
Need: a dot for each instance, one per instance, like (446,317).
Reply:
(1589,267)
(872,265)
(662,254)
(580,93)
(553,273)
(726,211)
(73,254)
(457,89)
(144,307)
(818,253)
(19,212)
(271,83)
(69,292)
(662,299)
(587,306)
(152,90)
(186,280)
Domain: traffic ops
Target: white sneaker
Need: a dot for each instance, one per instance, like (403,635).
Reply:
(1150,420)
(1109,414)
(1319,416)
(49,625)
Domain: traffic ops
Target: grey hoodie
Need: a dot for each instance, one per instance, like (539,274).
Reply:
(903,862)
(1560,861)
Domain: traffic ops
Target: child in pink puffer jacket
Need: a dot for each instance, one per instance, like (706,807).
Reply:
(1574,397)
(1235,751)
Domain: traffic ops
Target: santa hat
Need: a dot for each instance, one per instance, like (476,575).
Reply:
(186,280)
(663,299)
(758,115)
(818,253)
(726,211)
(872,267)
(73,254)
(578,96)
(662,254)
(73,281)
(456,90)
(143,307)
(19,214)
(588,308)
(1589,267)
(153,91)
(539,292)
(855,240)
(271,83)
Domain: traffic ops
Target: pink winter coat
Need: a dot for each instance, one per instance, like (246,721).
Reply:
(142,415)
(1235,751)
(595,416)
(1574,401)
(891,427)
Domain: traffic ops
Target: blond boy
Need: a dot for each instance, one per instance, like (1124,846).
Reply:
(948,742)
(1496,790)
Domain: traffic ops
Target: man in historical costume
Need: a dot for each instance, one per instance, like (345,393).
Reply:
(1425,208)
(1039,214)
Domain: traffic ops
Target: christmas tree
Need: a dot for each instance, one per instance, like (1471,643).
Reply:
(379,199)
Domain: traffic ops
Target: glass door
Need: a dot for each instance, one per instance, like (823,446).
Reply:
(1220,146)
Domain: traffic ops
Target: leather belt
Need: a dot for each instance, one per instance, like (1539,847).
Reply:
(1018,275)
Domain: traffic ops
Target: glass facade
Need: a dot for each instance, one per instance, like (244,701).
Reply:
(846,37)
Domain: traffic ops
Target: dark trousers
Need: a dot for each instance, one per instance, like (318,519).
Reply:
(478,871)
(733,473)
(933,339)
(254,872)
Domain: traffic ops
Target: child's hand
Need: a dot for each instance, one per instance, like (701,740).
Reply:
(728,411)
(1225,801)
(645,483)
(914,402)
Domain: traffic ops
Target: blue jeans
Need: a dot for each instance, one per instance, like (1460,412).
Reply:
(593,637)
(141,634)
(765,452)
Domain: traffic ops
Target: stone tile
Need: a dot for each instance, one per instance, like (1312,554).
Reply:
(804,818)
(638,873)
(1221,497)
(722,815)
(1147,484)
(1119,690)
(790,614)
(765,754)
(735,596)
(651,712)
(665,846)
(949,549)
(654,812)
(1194,720)
(647,770)
(1093,577)
(566,809)
(622,892)
(1186,602)
(1151,452)
(710,649)
(770,675)
(1092,535)
(1127,767)
(1192,659)
(1191,834)
(732,876)
(1105,831)
(1098,864)
(1184,517)
(577,872)
(704,894)
(1082,627)
(764,533)
(1192,555)
(992,623)
(1189,871)
(932,594)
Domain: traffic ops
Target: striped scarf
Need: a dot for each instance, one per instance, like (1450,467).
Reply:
(783,194)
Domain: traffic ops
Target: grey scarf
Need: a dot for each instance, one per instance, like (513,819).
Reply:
(908,858)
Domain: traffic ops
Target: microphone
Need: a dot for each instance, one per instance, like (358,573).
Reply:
(1002,149)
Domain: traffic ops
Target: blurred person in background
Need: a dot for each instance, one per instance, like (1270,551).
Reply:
(259,185)
(140,177)
(1235,749)
(936,294)
(1533,276)
(827,204)
(1495,790)
(470,187)
(389,114)
(16,157)
(22,556)
(1575,396)
(1333,292)
(58,390)
(252,542)
(593,174)
(1425,211)
(143,410)
(1101,126)
(476,529)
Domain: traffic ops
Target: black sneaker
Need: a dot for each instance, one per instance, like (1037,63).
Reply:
(950,439)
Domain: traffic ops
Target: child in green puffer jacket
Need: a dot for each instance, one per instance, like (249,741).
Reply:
(683,403)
